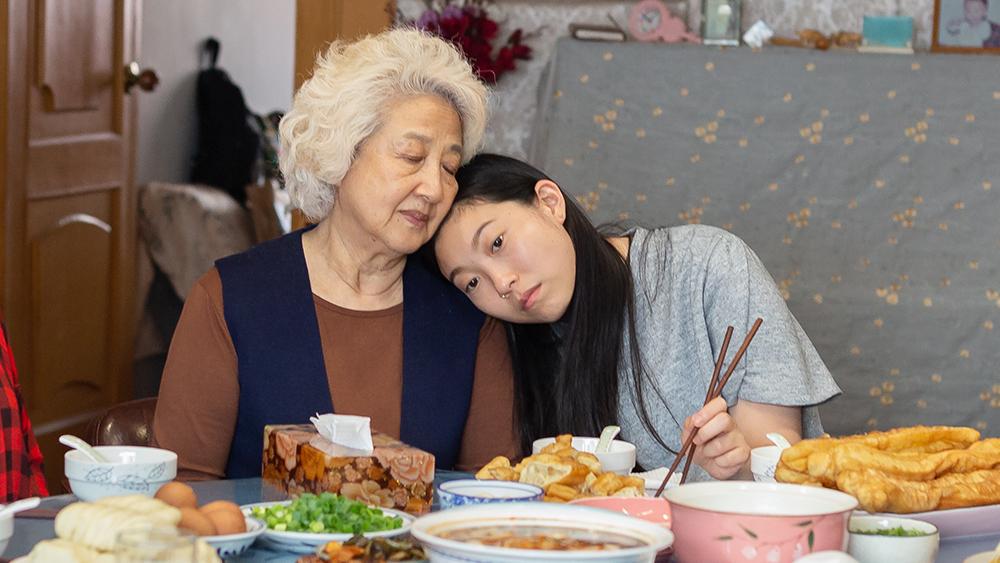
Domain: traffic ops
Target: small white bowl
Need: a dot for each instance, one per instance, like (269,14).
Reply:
(472,491)
(6,530)
(620,460)
(231,545)
(763,462)
(133,470)
(873,548)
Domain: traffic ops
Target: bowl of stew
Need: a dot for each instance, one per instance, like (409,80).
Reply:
(534,531)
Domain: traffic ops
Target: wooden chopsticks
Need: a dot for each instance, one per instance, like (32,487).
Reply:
(708,395)
(715,388)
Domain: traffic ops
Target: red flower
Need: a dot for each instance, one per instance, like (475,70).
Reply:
(471,29)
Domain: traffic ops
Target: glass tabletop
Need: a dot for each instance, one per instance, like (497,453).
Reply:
(29,531)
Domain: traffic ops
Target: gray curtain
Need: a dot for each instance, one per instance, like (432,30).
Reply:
(868,184)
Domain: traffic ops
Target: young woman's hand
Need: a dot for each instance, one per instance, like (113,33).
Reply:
(722,450)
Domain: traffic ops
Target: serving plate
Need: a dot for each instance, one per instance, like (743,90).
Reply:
(307,542)
(984,557)
(958,522)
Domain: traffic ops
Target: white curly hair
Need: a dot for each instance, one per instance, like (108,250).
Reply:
(342,104)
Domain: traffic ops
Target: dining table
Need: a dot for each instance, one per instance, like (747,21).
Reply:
(38,524)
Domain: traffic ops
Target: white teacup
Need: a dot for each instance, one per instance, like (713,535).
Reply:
(763,462)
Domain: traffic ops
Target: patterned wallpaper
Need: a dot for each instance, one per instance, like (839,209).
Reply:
(546,21)
(867,184)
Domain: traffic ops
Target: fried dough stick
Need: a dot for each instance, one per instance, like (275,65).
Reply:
(918,439)
(878,492)
(826,466)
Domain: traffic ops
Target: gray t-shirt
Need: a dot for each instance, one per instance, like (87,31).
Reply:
(691,282)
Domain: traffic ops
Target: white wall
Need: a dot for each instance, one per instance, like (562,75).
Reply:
(258,51)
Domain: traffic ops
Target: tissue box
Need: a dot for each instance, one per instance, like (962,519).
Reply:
(298,460)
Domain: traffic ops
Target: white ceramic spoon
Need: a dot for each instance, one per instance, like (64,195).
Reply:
(778,440)
(23,504)
(607,435)
(81,444)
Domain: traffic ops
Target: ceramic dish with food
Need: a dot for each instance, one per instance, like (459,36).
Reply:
(875,539)
(528,532)
(287,527)
(368,550)
(620,459)
(772,522)
(474,491)
(132,470)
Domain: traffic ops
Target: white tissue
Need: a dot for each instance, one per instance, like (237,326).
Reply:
(352,433)
(758,34)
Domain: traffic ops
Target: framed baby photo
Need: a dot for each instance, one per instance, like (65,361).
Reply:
(966,26)
(720,21)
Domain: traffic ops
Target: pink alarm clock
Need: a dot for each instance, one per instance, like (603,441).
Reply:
(650,20)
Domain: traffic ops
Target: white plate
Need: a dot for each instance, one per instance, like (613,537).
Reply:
(959,522)
(984,557)
(306,542)
(655,477)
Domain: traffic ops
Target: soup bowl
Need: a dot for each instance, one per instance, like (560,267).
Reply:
(131,470)
(469,534)
(748,521)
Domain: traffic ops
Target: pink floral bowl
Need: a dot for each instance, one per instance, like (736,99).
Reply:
(650,509)
(765,522)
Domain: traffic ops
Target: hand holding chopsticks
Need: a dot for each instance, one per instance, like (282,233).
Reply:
(714,391)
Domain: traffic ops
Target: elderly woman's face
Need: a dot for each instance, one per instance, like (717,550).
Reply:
(402,181)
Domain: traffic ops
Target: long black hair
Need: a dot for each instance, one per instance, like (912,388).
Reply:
(566,373)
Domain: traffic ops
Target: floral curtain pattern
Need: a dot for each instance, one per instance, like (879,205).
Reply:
(868,184)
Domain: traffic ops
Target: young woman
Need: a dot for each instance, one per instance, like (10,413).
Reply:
(622,329)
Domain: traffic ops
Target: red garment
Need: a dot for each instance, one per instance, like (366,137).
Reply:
(21,473)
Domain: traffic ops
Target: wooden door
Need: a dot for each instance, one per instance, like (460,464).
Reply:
(69,209)
(319,22)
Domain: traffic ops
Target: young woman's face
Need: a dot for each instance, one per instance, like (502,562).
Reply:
(515,262)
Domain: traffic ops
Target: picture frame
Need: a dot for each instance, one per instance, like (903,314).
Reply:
(966,26)
(721,22)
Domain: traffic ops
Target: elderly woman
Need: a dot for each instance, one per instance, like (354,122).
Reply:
(336,318)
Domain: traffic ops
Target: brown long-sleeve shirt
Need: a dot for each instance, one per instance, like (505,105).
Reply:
(363,352)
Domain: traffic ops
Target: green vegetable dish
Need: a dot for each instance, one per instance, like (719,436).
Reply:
(326,513)
(898,531)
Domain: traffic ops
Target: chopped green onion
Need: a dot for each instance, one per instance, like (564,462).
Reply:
(326,513)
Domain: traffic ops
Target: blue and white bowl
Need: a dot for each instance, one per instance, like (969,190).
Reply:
(132,470)
(232,545)
(473,491)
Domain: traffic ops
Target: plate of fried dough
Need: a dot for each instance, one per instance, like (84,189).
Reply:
(564,473)
(948,476)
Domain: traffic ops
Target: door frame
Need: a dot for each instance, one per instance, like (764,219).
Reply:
(18,45)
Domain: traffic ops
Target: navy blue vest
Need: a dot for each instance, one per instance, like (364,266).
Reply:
(271,316)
